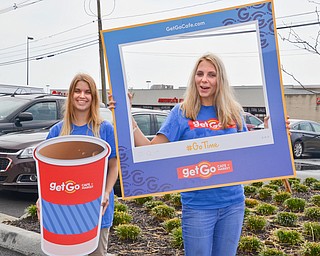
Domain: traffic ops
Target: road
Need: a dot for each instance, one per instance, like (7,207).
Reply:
(308,167)
(14,204)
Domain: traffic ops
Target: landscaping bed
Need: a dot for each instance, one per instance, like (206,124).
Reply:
(154,239)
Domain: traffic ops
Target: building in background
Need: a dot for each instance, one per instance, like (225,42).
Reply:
(301,102)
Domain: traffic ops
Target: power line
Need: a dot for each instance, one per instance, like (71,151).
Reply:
(15,6)
(51,54)
(89,43)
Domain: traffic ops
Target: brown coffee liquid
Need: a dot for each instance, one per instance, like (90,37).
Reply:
(71,150)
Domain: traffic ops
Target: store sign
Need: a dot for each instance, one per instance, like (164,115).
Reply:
(169,100)
(211,161)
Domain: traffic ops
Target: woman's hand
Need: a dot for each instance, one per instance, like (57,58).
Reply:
(38,209)
(265,121)
(266,125)
(111,102)
(105,202)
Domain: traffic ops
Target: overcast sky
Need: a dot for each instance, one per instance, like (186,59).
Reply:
(65,41)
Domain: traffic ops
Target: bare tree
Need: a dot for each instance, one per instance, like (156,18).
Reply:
(311,44)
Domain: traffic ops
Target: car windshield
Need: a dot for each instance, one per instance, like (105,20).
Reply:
(8,105)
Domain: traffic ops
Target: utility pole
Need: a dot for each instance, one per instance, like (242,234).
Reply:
(28,38)
(103,74)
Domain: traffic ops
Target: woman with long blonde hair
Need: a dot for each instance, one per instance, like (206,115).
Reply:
(211,218)
(82,117)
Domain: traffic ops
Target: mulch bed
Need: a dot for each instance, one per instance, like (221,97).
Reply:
(154,240)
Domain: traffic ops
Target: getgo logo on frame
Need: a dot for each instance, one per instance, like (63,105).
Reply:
(204,170)
(69,187)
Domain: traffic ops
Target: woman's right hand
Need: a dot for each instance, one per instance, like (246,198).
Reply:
(111,102)
(38,209)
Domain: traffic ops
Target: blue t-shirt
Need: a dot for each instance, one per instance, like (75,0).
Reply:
(106,134)
(177,128)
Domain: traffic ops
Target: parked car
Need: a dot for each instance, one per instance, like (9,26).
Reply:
(17,166)
(252,122)
(20,112)
(305,137)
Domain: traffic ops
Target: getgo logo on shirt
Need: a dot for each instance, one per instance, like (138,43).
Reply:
(69,186)
(204,170)
(212,124)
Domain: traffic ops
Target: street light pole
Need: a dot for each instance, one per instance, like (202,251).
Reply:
(28,38)
(102,67)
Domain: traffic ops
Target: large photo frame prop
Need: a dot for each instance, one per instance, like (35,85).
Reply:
(212,161)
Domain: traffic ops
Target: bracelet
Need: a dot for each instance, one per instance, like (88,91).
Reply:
(135,128)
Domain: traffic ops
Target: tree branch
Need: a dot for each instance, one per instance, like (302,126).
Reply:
(295,79)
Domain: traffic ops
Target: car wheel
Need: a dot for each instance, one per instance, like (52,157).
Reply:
(298,149)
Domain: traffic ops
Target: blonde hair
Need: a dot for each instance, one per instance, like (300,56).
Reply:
(94,119)
(229,111)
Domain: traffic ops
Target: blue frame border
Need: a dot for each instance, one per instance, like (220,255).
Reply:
(249,164)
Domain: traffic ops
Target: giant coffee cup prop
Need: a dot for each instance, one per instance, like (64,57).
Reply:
(72,174)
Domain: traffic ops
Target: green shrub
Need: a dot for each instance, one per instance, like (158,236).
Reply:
(247,212)
(295,204)
(251,203)
(273,187)
(280,197)
(287,219)
(120,207)
(278,182)
(250,190)
(166,197)
(171,224)
(142,200)
(312,213)
(316,186)
(266,209)
(311,249)
(300,188)
(257,184)
(312,229)
(175,199)
(315,200)
(256,223)
(153,203)
(176,238)
(127,232)
(121,218)
(293,181)
(31,211)
(309,181)
(271,252)
(250,244)
(163,212)
(291,237)
(265,193)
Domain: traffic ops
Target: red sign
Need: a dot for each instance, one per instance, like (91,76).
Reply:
(204,170)
(169,100)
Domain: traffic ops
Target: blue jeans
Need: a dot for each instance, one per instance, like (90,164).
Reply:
(212,232)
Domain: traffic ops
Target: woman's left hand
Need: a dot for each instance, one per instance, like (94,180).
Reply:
(105,202)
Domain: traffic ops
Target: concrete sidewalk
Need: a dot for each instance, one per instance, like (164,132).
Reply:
(18,239)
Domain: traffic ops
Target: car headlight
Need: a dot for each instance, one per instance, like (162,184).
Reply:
(27,153)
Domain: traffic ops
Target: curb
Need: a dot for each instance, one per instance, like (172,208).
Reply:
(18,239)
